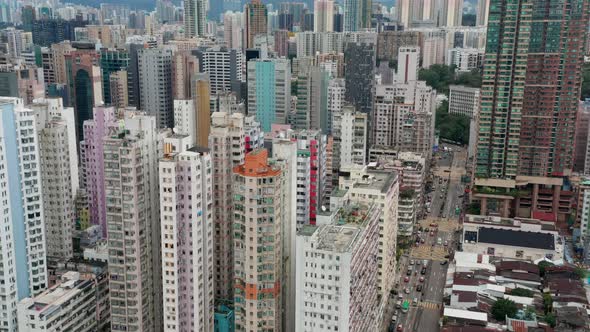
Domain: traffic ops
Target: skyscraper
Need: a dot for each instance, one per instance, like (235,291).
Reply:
(23,250)
(195,18)
(186,216)
(357,14)
(85,85)
(256,15)
(224,68)
(529,100)
(269,91)
(111,60)
(528,109)
(227,142)
(56,126)
(360,75)
(155,85)
(133,224)
(258,265)
(323,15)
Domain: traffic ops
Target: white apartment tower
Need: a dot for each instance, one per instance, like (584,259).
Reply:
(59,173)
(23,268)
(155,84)
(186,217)
(336,91)
(337,272)
(350,137)
(227,144)
(464,101)
(233,30)
(323,15)
(133,224)
(408,63)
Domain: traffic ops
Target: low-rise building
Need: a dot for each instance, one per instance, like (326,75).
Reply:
(464,100)
(63,307)
(522,239)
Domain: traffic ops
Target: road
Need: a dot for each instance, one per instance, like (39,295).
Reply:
(445,198)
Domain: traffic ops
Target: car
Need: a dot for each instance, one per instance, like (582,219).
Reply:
(421,279)
(400,328)
(394,319)
(421,240)
(439,241)
(418,262)
(423,272)
(406,279)
(427,229)
(415,301)
(443,263)
(447,256)
(431,233)
(400,296)
(446,243)
(398,304)
(419,288)
(409,273)
(411,262)
(407,291)
(425,262)
(434,225)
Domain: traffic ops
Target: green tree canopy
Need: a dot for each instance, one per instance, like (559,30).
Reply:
(503,308)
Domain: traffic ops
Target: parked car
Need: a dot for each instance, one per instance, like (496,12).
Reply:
(443,263)
(421,279)
(419,288)
(406,279)
(411,262)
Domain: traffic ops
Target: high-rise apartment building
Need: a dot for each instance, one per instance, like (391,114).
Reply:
(534,145)
(404,117)
(223,66)
(311,109)
(360,75)
(350,137)
(323,15)
(337,271)
(269,91)
(408,63)
(92,155)
(119,89)
(258,262)
(23,245)
(529,102)
(233,30)
(256,15)
(186,218)
(195,18)
(336,93)
(155,85)
(227,144)
(133,224)
(111,61)
(201,99)
(56,128)
(464,100)
(357,14)
(185,67)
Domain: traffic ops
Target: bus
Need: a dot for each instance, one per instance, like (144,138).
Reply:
(405,306)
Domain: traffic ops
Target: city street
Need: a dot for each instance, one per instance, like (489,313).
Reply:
(438,234)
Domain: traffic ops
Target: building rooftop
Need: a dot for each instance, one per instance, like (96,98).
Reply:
(377,180)
(337,238)
(517,238)
(52,299)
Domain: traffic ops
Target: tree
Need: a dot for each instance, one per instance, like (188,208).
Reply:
(550,319)
(452,126)
(471,79)
(580,272)
(503,308)
(547,303)
(521,292)
(542,266)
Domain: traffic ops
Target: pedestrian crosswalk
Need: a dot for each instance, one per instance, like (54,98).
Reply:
(436,253)
(429,305)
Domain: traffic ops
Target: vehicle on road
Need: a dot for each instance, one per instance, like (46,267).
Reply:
(394,319)
(419,288)
(411,262)
(418,262)
(423,271)
(405,306)
(447,256)
(446,243)
(409,273)
(422,240)
(415,301)
(400,328)
(439,241)
(406,279)
(443,263)
(407,291)
(431,233)
(398,304)
(421,279)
